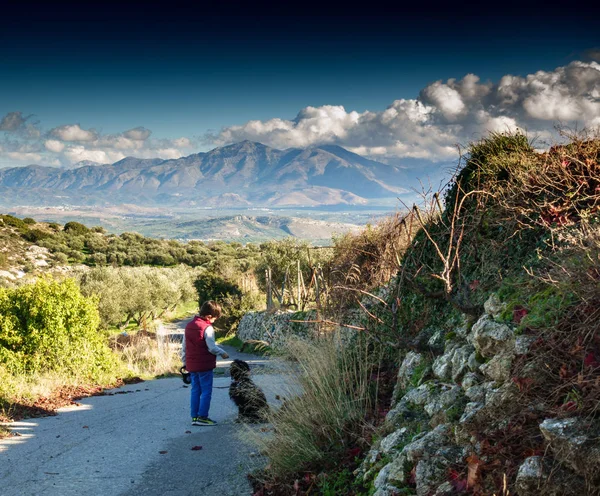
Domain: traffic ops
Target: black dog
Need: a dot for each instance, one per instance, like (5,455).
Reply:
(249,398)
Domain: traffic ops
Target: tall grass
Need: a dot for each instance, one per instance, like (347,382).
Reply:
(329,415)
(143,356)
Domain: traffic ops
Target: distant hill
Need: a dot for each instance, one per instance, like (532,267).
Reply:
(241,174)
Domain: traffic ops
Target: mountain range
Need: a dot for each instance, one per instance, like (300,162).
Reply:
(237,175)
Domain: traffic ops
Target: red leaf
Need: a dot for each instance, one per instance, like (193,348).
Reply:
(570,406)
(353,452)
(590,360)
(473,285)
(518,313)
(453,475)
(196,448)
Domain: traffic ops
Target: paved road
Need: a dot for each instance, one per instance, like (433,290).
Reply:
(137,441)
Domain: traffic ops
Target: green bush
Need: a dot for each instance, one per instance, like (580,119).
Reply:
(50,326)
(235,303)
(76,228)
(35,235)
(12,221)
(29,220)
(213,287)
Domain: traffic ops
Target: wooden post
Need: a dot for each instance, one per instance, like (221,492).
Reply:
(298,293)
(285,278)
(269,291)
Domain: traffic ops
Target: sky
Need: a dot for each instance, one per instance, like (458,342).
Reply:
(102,82)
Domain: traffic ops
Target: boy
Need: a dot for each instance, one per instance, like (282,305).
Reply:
(199,355)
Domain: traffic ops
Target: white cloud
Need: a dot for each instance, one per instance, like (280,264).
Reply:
(54,146)
(168,153)
(430,126)
(25,156)
(444,114)
(73,132)
(445,98)
(77,153)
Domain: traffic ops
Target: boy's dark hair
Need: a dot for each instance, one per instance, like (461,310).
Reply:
(210,307)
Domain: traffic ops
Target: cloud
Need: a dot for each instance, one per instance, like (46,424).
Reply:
(54,146)
(593,54)
(25,156)
(78,153)
(138,133)
(13,121)
(73,132)
(445,114)
(182,142)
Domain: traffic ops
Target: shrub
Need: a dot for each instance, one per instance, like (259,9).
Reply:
(12,221)
(235,303)
(29,220)
(50,326)
(213,287)
(75,228)
(36,235)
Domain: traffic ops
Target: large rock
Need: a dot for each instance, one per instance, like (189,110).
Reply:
(498,368)
(454,363)
(574,442)
(446,404)
(394,441)
(437,341)
(538,475)
(426,445)
(460,362)
(493,306)
(412,363)
(442,366)
(491,338)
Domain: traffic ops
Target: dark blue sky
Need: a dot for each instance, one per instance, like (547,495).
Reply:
(181,71)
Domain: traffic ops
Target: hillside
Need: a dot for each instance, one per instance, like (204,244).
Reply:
(480,311)
(20,257)
(241,174)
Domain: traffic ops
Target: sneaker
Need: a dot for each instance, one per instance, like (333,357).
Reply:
(196,421)
(205,421)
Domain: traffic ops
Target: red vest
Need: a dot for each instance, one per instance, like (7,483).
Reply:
(197,356)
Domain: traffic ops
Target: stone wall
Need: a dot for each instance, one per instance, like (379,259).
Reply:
(275,327)
(445,407)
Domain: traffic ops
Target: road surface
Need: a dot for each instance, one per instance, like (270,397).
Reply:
(138,440)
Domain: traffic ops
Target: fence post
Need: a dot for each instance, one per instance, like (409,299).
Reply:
(269,291)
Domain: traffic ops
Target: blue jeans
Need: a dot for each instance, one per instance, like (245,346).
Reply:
(202,384)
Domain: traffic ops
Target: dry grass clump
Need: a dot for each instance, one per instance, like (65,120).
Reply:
(318,427)
(370,258)
(143,356)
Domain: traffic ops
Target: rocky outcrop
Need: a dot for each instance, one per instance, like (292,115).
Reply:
(443,411)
